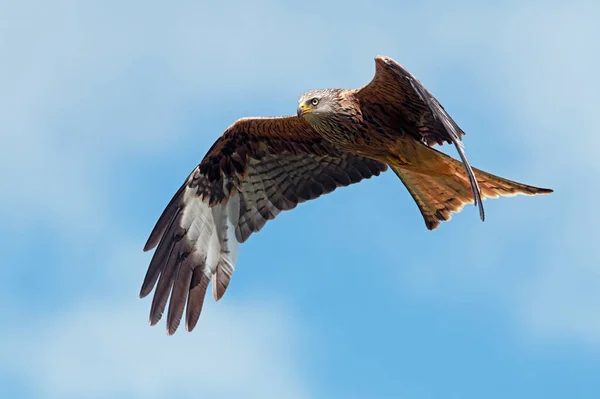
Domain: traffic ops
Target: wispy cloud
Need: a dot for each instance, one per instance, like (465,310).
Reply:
(103,107)
(104,349)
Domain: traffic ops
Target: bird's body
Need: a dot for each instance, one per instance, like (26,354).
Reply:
(262,166)
(348,128)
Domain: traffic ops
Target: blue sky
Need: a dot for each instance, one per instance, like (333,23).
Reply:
(105,107)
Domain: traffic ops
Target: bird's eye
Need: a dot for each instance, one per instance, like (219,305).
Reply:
(314,101)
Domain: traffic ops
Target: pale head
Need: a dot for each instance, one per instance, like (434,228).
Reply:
(317,104)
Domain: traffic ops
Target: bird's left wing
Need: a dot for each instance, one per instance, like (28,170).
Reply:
(400,98)
(256,169)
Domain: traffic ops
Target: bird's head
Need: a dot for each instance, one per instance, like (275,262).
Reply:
(317,104)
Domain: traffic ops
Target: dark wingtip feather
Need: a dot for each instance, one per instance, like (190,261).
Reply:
(152,242)
(179,296)
(164,220)
(475,189)
(196,296)
(165,283)
(159,260)
(455,133)
(221,279)
(153,272)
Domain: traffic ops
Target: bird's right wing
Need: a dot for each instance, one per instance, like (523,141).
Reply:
(402,100)
(256,169)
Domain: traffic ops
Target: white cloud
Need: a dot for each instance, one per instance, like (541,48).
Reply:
(551,86)
(536,63)
(85,85)
(98,350)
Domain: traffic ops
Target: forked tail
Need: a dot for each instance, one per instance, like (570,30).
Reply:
(440,186)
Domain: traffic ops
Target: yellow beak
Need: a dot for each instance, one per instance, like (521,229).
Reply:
(303,109)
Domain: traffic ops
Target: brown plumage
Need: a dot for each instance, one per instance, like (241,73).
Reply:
(262,166)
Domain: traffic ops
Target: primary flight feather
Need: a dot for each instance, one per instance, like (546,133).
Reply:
(262,166)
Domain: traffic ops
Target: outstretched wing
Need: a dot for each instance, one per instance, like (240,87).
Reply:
(256,169)
(396,96)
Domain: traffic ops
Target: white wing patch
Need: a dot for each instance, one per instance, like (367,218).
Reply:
(227,251)
(212,231)
(198,234)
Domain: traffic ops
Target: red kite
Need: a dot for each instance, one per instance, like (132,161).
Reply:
(262,166)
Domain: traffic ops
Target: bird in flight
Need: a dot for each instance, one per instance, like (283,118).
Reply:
(264,165)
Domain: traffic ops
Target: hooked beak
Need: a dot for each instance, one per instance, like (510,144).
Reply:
(302,109)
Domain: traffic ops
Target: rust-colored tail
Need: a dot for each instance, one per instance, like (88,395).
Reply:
(440,186)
